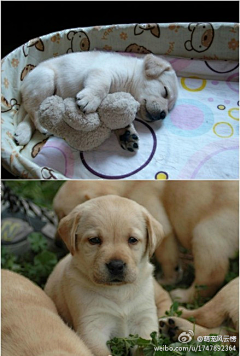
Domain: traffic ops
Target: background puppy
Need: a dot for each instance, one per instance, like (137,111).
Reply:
(105,287)
(205,218)
(202,216)
(30,323)
(210,318)
(90,76)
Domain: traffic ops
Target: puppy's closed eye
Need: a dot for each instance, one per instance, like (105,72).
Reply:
(166,93)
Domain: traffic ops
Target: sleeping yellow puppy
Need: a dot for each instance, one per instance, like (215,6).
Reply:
(89,77)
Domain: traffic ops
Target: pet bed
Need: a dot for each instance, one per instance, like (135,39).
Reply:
(197,140)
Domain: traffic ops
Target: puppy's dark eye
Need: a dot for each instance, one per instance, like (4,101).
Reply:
(95,241)
(132,241)
(166,92)
(176,268)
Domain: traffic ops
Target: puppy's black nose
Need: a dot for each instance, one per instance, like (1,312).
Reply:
(158,116)
(116,267)
(162,115)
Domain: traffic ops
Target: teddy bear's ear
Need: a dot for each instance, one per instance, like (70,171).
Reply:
(50,113)
(124,107)
(154,66)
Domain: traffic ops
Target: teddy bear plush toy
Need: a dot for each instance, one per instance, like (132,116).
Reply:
(63,118)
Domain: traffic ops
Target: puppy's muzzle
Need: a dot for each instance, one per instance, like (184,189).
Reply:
(116,269)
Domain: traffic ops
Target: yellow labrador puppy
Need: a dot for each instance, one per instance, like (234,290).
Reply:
(205,218)
(105,287)
(201,216)
(31,325)
(215,317)
(89,77)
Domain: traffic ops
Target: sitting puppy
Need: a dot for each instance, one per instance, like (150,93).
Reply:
(89,77)
(31,325)
(203,217)
(105,287)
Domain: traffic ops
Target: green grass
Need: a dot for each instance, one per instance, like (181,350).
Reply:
(159,346)
(36,264)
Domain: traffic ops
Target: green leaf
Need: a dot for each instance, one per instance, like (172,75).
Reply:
(154,338)
(45,258)
(149,350)
(38,242)
(9,261)
(174,310)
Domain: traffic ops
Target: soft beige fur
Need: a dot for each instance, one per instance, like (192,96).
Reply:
(201,216)
(90,76)
(100,301)
(30,323)
(215,317)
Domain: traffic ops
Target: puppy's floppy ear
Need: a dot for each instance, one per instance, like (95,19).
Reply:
(67,229)
(155,233)
(154,66)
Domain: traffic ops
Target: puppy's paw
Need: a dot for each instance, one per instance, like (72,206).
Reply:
(181,295)
(23,134)
(128,138)
(177,329)
(168,328)
(87,101)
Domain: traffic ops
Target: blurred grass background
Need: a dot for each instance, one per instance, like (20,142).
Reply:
(40,192)
(41,255)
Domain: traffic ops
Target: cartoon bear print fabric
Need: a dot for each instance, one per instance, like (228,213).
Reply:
(202,35)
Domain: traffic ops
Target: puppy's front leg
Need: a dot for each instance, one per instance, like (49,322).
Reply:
(145,326)
(96,338)
(146,323)
(96,88)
